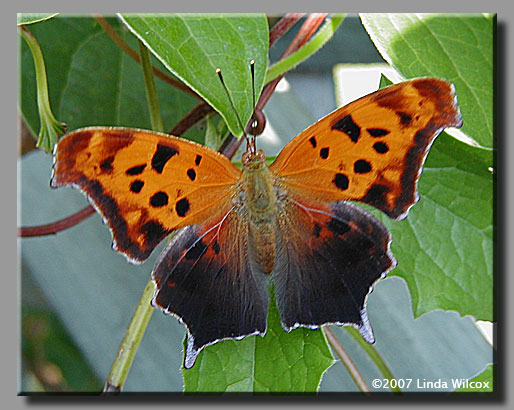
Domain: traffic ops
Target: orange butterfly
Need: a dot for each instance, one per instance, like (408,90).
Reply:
(289,223)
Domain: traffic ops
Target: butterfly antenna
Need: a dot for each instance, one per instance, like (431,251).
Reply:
(254,121)
(218,71)
(252,69)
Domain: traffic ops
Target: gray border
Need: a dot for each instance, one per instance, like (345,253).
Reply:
(505,200)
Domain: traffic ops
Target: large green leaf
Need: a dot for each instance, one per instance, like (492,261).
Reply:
(91,81)
(194,46)
(277,362)
(458,48)
(445,246)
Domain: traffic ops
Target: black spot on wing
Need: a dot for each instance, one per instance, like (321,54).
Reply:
(377,132)
(349,127)
(362,166)
(323,152)
(216,247)
(159,199)
(341,181)
(106,164)
(198,159)
(313,142)
(162,155)
(405,118)
(136,186)
(138,169)
(182,207)
(380,147)
(191,173)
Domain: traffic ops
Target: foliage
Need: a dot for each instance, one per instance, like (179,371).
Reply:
(444,247)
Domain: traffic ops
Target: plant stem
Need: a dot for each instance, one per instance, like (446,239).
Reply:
(151,92)
(346,360)
(128,347)
(197,113)
(54,227)
(374,355)
(283,26)
(324,34)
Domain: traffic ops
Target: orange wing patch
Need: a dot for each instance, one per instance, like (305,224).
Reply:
(144,184)
(371,150)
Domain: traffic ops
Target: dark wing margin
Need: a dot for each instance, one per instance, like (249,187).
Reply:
(329,256)
(205,278)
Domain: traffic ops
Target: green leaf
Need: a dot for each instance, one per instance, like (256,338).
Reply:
(446,244)
(212,136)
(277,362)
(193,46)
(91,81)
(51,129)
(30,18)
(458,48)
(482,383)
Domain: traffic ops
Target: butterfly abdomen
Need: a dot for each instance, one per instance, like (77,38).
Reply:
(260,201)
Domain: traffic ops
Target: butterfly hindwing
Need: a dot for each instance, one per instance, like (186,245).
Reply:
(144,184)
(371,150)
(328,257)
(206,278)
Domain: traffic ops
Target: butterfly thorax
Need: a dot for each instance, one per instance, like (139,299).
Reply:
(260,198)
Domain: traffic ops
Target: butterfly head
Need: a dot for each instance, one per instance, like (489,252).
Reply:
(253,159)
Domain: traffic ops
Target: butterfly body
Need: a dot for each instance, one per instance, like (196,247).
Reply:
(259,196)
(291,224)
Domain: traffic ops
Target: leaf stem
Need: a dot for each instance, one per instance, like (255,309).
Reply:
(151,92)
(374,356)
(51,129)
(128,347)
(346,360)
(324,34)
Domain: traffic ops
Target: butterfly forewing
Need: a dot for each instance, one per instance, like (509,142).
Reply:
(371,150)
(144,184)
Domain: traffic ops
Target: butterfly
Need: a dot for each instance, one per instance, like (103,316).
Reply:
(290,224)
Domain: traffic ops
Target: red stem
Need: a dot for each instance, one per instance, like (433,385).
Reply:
(54,227)
(197,113)
(283,25)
